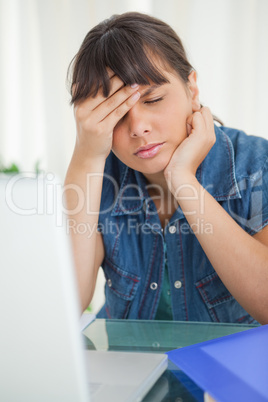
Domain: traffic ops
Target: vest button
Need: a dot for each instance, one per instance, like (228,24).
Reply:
(172,229)
(178,284)
(109,283)
(153,286)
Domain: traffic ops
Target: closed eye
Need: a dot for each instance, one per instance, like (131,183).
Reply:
(154,100)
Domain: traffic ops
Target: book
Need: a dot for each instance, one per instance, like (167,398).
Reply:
(230,368)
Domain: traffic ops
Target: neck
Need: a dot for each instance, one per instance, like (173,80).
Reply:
(157,183)
(163,199)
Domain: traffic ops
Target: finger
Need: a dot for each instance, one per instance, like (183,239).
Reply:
(115,84)
(208,117)
(195,122)
(113,103)
(90,103)
(110,72)
(110,75)
(209,121)
(74,86)
(113,118)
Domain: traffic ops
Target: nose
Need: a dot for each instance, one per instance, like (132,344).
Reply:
(137,121)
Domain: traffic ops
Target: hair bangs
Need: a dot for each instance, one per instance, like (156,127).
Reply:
(126,55)
(89,73)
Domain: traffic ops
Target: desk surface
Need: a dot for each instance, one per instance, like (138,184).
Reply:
(158,336)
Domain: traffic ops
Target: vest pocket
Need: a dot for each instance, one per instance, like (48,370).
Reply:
(120,289)
(221,305)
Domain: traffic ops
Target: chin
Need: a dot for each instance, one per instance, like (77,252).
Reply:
(155,165)
(150,167)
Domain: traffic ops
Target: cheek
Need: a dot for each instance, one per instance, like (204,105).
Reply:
(182,108)
(118,140)
(178,115)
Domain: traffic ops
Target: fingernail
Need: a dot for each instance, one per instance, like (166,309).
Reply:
(136,96)
(134,85)
(189,128)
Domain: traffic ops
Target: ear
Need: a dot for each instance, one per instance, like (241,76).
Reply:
(194,91)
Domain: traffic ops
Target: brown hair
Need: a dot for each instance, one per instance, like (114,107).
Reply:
(124,43)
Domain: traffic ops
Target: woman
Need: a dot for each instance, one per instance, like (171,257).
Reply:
(180,204)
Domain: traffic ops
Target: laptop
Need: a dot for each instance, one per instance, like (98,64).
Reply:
(42,355)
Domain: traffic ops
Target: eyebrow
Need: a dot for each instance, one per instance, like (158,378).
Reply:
(150,90)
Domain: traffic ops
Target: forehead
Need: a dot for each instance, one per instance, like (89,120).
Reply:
(172,78)
(149,69)
(147,90)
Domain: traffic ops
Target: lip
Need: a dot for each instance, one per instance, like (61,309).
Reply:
(149,150)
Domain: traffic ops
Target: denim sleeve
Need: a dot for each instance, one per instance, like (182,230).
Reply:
(251,211)
(259,200)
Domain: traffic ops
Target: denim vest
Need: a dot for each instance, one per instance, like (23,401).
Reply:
(235,173)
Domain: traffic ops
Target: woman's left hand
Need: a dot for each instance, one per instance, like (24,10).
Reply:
(193,150)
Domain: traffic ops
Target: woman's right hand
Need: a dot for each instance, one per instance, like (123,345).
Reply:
(95,121)
(96,118)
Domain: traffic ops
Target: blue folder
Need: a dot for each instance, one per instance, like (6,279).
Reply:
(230,368)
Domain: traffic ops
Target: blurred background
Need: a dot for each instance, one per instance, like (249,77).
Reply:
(226,41)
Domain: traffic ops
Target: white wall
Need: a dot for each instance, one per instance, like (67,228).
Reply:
(226,40)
